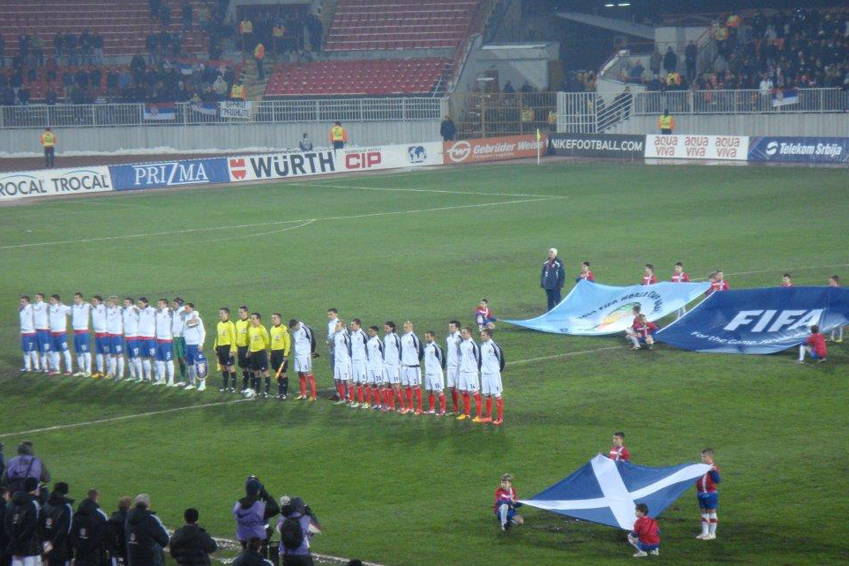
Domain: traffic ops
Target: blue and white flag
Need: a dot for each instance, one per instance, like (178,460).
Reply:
(205,108)
(591,309)
(758,321)
(160,112)
(784,97)
(605,491)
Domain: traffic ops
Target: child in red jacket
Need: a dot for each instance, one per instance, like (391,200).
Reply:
(646,535)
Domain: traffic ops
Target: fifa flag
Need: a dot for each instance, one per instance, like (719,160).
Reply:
(160,112)
(605,491)
(758,321)
(591,309)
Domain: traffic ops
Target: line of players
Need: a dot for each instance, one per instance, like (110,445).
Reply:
(151,338)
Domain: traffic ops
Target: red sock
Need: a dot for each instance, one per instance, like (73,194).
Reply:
(390,396)
(419,398)
(377,395)
(442,402)
(499,406)
(360,393)
(401,404)
(313,391)
(340,390)
(467,405)
(303,380)
(410,398)
(488,412)
(478,403)
(431,401)
(351,390)
(367,393)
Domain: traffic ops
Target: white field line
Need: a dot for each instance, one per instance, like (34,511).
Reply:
(222,403)
(278,223)
(443,191)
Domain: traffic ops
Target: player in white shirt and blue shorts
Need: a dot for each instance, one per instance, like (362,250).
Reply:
(42,330)
(115,333)
(101,336)
(57,315)
(80,312)
(147,336)
(28,339)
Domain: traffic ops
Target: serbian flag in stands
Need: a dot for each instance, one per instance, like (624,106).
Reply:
(160,112)
(784,97)
(206,108)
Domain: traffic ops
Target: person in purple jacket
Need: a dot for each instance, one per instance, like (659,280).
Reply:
(252,513)
(297,525)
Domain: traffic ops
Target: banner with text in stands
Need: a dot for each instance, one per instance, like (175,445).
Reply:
(492,149)
(235,109)
(54,182)
(597,145)
(812,150)
(735,148)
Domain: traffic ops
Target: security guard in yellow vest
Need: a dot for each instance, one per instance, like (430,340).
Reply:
(238,92)
(666,123)
(338,136)
(48,142)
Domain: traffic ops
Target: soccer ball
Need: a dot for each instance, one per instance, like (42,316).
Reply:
(250,394)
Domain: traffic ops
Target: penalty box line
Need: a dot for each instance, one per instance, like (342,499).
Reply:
(234,401)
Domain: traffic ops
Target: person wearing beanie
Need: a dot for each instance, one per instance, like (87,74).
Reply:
(88,532)
(252,513)
(56,525)
(297,525)
(25,465)
(145,534)
(251,556)
(116,539)
(20,524)
(190,544)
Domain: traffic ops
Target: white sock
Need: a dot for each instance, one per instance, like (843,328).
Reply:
(801,352)
(169,366)
(99,359)
(705,523)
(87,360)
(34,357)
(137,363)
(80,362)
(146,365)
(191,373)
(131,366)
(502,513)
(110,365)
(160,371)
(67,355)
(634,341)
(713,521)
(44,363)
(27,361)
(120,373)
(54,361)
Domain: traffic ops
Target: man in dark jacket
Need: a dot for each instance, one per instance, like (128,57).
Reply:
(252,513)
(116,539)
(447,129)
(250,556)
(20,523)
(190,544)
(552,278)
(5,499)
(25,465)
(88,532)
(56,525)
(146,535)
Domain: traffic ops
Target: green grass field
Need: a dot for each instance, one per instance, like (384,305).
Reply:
(426,246)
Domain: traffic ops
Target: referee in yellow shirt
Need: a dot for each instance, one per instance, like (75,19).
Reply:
(225,349)
(258,343)
(242,326)
(280,346)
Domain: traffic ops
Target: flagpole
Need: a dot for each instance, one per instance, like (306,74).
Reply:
(538,145)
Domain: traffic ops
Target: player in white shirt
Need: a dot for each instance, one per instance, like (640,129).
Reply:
(303,343)
(101,336)
(130,317)
(434,361)
(28,340)
(452,358)
(178,321)
(57,317)
(375,376)
(359,357)
(115,331)
(332,318)
(492,364)
(342,363)
(392,364)
(195,335)
(147,336)
(470,363)
(80,314)
(42,330)
(411,371)
(164,343)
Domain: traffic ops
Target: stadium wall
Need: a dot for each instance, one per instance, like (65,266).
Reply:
(787,124)
(214,137)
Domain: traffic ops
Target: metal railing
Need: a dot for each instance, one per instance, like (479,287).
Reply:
(482,115)
(186,114)
(740,102)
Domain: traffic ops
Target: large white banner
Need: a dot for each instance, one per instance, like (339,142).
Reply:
(390,156)
(54,182)
(734,148)
(237,109)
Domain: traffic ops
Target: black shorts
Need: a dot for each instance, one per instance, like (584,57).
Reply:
(259,361)
(277,358)
(225,355)
(243,357)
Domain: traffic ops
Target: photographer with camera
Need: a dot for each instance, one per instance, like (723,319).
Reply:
(297,525)
(252,513)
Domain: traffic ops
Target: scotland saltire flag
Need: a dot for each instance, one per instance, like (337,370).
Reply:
(758,321)
(591,309)
(605,491)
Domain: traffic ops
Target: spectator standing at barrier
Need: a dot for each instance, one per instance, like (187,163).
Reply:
(48,142)
(666,123)
(146,535)
(305,143)
(259,55)
(552,278)
(246,32)
(338,136)
(655,61)
(447,129)
(238,92)
(670,60)
(191,545)
(690,60)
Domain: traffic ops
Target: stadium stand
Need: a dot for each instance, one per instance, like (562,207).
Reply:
(397,24)
(366,77)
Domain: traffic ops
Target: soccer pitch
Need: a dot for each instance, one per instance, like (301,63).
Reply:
(426,246)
